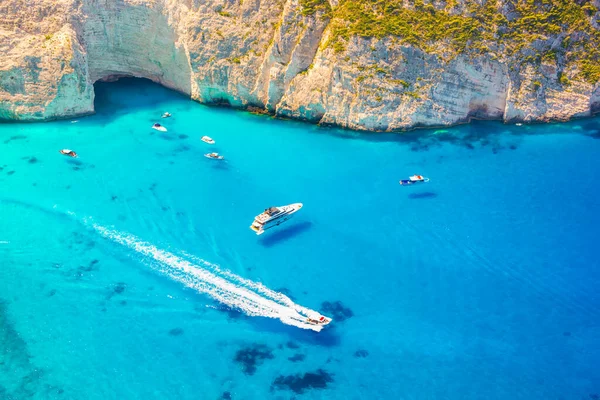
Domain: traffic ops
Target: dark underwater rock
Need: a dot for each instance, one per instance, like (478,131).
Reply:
(361,353)
(119,287)
(252,356)
(16,137)
(176,332)
(297,357)
(292,345)
(336,310)
(300,383)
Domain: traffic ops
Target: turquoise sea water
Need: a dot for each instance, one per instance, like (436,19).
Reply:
(481,284)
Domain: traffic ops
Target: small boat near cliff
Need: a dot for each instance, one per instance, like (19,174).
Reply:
(68,152)
(207,139)
(414,180)
(166,115)
(159,127)
(273,216)
(214,156)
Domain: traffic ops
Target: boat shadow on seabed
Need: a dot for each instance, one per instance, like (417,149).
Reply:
(281,235)
(422,195)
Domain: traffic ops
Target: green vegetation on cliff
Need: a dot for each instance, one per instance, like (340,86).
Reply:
(532,30)
(419,26)
(310,7)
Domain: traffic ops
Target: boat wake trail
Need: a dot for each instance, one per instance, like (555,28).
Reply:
(250,297)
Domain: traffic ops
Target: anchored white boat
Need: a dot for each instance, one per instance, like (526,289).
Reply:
(273,216)
(68,152)
(159,127)
(207,139)
(214,156)
(166,115)
(414,180)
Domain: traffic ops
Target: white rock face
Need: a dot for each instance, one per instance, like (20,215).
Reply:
(365,91)
(258,53)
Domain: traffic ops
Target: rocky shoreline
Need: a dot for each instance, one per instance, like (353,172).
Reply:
(271,56)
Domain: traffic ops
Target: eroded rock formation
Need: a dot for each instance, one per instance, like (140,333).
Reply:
(269,54)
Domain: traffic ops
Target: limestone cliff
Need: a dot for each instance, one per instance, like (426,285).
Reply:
(366,64)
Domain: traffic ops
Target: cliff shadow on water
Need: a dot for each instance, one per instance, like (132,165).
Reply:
(493,135)
(128,94)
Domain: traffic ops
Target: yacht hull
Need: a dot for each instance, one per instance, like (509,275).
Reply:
(407,182)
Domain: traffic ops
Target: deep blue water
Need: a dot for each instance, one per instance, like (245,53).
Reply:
(481,284)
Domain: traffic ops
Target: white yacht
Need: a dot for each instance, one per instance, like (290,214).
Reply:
(273,216)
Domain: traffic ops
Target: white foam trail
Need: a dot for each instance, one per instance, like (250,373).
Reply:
(234,291)
(4,242)
(258,287)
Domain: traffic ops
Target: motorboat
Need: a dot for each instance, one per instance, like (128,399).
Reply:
(214,156)
(207,139)
(318,320)
(159,127)
(68,152)
(273,216)
(414,180)
(166,115)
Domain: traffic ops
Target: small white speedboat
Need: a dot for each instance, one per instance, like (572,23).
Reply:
(318,320)
(207,139)
(273,216)
(214,156)
(519,124)
(166,115)
(414,180)
(159,127)
(68,152)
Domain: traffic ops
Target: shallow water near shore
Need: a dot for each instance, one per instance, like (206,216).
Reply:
(129,272)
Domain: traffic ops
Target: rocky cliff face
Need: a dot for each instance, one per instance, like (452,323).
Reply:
(299,59)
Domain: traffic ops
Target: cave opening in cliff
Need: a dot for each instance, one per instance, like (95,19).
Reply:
(126,94)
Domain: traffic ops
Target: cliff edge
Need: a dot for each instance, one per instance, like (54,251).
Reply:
(359,64)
